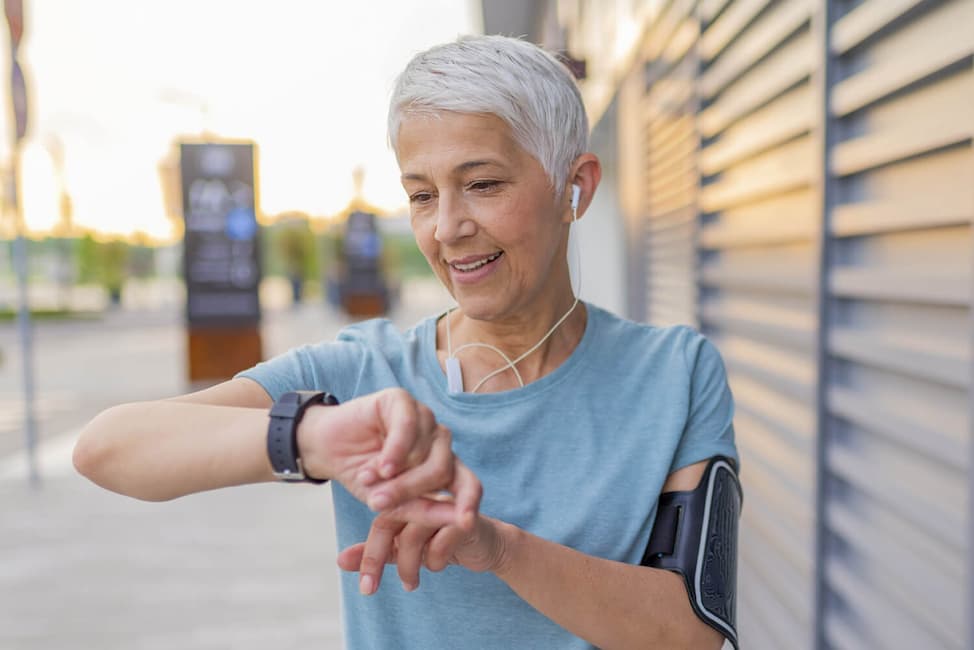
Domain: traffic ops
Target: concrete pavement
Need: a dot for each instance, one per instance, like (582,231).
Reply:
(240,568)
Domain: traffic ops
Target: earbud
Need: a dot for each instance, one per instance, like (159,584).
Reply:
(576,193)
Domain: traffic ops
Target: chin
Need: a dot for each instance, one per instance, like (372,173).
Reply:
(477,307)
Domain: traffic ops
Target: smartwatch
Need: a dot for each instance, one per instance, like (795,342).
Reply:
(282,433)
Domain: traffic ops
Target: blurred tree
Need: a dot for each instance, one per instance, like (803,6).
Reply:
(295,244)
(103,263)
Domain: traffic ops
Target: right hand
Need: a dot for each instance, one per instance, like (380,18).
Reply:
(387,449)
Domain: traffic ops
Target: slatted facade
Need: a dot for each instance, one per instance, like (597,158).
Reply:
(758,279)
(671,187)
(807,183)
(897,462)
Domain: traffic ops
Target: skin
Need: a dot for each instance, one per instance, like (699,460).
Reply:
(475,192)
(385,448)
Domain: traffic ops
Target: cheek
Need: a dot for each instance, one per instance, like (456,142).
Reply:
(425,241)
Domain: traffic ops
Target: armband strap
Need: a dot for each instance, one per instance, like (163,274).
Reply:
(695,535)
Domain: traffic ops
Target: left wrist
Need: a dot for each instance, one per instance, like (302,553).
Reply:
(508,539)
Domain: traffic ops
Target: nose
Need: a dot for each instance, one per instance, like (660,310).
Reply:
(452,221)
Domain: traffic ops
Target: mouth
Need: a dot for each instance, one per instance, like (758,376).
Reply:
(471,264)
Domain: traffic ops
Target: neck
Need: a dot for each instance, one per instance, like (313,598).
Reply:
(535,343)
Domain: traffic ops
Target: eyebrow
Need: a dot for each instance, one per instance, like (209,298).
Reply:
(462,167)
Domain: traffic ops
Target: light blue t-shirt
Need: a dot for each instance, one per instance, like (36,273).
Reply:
(578,457)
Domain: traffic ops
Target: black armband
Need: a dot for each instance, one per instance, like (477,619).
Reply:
(695,535)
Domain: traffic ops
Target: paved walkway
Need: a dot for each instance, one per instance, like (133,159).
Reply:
(241,568)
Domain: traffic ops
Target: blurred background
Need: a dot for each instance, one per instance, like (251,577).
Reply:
(189,187)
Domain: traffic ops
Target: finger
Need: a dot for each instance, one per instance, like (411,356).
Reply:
(467,492)
(428,512)
(442,546)
(378,549)
(350,559)
(433,474)
(400,420)
(409,555)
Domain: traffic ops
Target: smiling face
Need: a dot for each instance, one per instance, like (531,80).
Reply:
(484,214)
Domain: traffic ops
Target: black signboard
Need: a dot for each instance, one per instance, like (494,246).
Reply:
(221,262)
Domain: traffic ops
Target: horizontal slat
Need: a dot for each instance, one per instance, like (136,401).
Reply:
(766,365)
(765,624)
(682,40)
(906,356)
(787,68)
(883,148)
(718,236)
(898,425)
(675,219)
(777,25)
(678,138)
(725,194)
(710,8)
(796,332)
(729,26)
(778,122)
(913,578)
(899,492)
(666,24)
(874,217)
(880,81)
(856,516)
(873,610)
(789,418)
(787,281)
(779,575)
(777,464)
(867,19)
(841,633)
(900,285)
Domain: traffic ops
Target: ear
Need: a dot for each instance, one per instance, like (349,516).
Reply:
(586,172)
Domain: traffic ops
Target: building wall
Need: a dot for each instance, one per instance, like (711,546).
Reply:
(805,194)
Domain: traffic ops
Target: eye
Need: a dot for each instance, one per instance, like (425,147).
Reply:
(420,198)
(483,186)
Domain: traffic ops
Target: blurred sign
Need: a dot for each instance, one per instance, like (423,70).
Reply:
(221,259)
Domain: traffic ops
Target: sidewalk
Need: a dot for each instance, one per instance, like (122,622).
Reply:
(241,568)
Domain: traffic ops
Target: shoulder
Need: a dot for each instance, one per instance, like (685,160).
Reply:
(672,347)
(380,335)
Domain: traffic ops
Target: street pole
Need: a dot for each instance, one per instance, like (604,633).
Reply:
(14,12)
(23,320)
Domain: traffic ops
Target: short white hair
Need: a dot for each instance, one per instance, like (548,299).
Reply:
(512,79)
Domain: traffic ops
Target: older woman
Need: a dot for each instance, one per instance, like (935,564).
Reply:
(570,422)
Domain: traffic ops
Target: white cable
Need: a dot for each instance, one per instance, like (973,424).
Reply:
(451,354)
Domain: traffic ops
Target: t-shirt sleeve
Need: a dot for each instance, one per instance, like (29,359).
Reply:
(330,366)
(709,429)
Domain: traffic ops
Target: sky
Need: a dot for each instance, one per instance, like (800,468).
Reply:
(113,82)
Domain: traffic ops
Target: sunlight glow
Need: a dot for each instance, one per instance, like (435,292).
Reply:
(117,81)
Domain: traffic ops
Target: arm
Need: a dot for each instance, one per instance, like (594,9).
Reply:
(385,448)
(611,604)
(608,603)
(163,449)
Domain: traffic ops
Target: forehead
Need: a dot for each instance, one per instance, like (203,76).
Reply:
(446,139)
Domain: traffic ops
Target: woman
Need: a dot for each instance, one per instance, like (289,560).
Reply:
(572,424)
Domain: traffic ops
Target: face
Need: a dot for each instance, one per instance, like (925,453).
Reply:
(484,214)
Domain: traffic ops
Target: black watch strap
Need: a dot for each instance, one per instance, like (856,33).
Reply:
(282,433)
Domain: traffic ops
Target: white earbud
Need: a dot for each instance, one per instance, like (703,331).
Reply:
(576,193)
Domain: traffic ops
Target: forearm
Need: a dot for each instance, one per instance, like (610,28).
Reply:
(610,604)
(165,449)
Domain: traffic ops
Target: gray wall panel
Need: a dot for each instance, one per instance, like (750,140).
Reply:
(818,229)
(899,341)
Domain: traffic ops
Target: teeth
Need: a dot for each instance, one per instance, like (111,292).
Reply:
(477,264)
